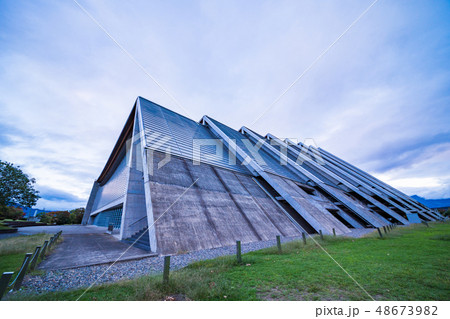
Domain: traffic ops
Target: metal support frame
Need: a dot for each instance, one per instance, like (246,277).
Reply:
(258,171)
(329,190)
(327,173)
(367,184)
(377,183)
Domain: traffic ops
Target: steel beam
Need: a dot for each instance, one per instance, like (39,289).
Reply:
(329,190)
(327,173)
(258,171)
(365,187)
(368,185)
(385,187)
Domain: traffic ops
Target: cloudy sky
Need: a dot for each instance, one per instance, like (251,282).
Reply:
(379,98)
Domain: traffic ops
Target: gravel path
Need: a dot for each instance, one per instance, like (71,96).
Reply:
(56,280)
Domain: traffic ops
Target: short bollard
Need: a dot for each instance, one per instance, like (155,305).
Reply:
(22,271)
(166,270)
(304,238)
(35,257)
(44,248)
(321,235)
(334,232)
(4,280)
(50,243)
(279,243)
(379,232)
(238,251)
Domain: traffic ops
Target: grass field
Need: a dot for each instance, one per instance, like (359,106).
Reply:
(410,263)
(13,250)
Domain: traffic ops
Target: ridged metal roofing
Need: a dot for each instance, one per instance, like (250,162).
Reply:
(167,131)
(307,166)
(267,162)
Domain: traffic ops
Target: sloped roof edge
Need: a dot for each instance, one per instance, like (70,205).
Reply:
(127,129)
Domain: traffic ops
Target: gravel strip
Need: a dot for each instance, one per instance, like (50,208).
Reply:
(58,280)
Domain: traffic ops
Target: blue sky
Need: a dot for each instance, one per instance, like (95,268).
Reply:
(380,98)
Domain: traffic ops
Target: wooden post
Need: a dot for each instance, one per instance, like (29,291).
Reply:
(279,243)
(334,232)
(22,271)
(166,270)
(304,238)
(35,258)
(4,281)
(44,248)
(51,242)
(321,235)
(379,232)
(238,251)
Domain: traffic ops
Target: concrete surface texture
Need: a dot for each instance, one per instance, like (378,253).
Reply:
(220,208)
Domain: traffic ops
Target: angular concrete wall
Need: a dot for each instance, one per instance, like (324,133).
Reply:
(181,206)
(221,207)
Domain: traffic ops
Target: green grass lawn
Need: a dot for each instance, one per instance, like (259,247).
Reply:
(13,250)
(411,263)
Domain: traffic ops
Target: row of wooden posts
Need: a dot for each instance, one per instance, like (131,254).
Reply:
(29,263)
(166,270)
(386,229)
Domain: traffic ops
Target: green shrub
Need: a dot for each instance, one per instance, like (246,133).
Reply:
(10,212)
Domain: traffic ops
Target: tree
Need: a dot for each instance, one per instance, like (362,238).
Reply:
(45,217)
(76,215)
(61,217)
(11,212)
(16,188)
(58,218)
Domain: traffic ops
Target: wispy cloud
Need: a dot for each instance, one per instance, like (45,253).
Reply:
(378,99)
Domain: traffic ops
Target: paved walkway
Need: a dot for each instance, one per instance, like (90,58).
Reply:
(79,250)
(83,246)
(66,229)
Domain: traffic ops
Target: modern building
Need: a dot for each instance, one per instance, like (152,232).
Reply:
(180,185)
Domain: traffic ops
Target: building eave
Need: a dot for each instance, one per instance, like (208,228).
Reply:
(121,142)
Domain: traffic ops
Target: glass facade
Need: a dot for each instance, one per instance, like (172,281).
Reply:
(112,216)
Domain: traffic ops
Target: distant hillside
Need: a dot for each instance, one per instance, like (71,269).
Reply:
(433,203)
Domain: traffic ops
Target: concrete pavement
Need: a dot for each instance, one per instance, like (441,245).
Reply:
(66,229)
(84,246)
